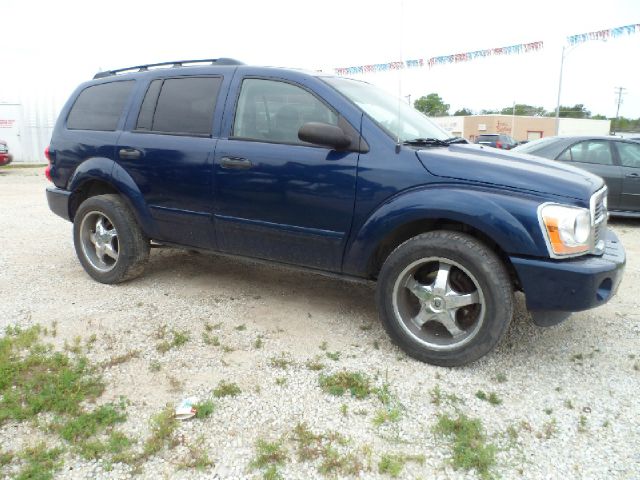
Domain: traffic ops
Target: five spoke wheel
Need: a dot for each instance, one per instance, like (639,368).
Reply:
(99,240)
(439,303)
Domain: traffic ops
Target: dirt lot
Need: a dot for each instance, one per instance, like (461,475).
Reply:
(565,400)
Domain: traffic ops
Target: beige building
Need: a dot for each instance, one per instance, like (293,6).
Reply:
(520,127)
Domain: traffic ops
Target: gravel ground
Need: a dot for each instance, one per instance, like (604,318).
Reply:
(569,393)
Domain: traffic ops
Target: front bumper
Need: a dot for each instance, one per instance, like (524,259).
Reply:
(554,288)
(58,200)
(5,159)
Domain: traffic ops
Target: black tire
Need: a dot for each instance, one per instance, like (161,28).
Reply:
(469,261)
(127,243)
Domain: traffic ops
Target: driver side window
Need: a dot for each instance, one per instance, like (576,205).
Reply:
(273,111)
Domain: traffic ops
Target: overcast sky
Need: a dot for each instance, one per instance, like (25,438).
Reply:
(50,47)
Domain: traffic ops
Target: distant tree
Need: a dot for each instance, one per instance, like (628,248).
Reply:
(432,105)
(598,117)
(488,112)
(524,110)
(577,111)
(462,112)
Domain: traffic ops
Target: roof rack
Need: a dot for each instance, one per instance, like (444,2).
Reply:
(174,64)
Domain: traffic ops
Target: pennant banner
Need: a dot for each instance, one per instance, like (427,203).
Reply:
(455,58)
(604,34)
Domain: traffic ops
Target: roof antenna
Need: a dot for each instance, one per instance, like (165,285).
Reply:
(400,68)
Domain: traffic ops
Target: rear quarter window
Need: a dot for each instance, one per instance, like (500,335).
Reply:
(99,107)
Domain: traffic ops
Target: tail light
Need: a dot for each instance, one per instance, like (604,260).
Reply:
(498,144)
(47,171)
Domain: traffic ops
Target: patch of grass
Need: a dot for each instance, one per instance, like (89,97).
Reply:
(470,449)
(344,409)
(501,377)
(376,344)
(226,389)
(549,429)
(569,404)
(204,409)
(366,327)
(75,347)
(338,383)
(324,345)
(392,464)
(179,339)
(40,462)
(88,424)
(163,427)
(492,397)
(116,447)
(438,397)
(6,458)
(120,359)
(582,424)
(548,411)
(269,456)
(334,462)
(212,340)
(155,366)
(197,458)
(308,444)
(258,342)
(35,379)
(283,361)
(314,364)
(335,356)
(227,349)
(390,415)
(281,381)
(240,328)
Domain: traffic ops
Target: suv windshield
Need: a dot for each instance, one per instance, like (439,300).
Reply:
(401,121)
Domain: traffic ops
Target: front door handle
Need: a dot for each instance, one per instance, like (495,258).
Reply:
(632,175)
(129,154)
(235,163)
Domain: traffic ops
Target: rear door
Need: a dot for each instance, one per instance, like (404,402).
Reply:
(277,197)
(598,156)
(629,155)
(168,151)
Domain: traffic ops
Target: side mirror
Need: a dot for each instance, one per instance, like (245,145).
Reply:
(324,134)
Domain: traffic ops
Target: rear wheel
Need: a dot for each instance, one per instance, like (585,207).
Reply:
(445,298)
(109,243)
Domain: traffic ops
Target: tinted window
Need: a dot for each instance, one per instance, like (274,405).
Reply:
(99,107)
(274,111)
(145,117)
(185,105)
(629,154)
(590,151)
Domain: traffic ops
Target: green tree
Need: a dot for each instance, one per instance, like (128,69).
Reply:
(598,117)
(576,111)
(488,112)
(432,105)
(462,112)
(524,110)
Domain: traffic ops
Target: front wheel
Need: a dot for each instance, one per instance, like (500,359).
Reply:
(445,298)
(109,242)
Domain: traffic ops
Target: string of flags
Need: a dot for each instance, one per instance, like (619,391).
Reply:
(467,56)
(604,34)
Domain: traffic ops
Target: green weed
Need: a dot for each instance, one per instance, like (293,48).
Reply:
(338,383)
(226,389)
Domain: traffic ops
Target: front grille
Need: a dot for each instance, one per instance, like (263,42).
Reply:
(599,215)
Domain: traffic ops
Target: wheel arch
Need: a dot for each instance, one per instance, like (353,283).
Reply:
(497,220)
(99,176)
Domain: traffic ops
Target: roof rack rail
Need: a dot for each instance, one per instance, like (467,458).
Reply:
(174,64)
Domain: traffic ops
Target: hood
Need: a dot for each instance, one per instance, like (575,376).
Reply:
(506,169)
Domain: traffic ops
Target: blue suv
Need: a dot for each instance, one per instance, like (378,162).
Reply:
(334,175)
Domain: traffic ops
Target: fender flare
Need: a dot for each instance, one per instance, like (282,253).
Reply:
(500,216)
(109,172)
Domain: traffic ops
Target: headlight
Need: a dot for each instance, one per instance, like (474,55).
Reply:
(568,229)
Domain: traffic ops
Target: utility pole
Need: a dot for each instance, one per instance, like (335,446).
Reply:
(559,91)
(619,92)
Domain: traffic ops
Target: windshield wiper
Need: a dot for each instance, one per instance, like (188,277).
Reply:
(426,141)
(436,142)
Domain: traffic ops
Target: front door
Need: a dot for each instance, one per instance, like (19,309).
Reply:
(629,154)
(277,197)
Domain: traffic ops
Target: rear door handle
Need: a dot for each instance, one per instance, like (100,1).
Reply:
(129,154)
(632,175)
(235,163)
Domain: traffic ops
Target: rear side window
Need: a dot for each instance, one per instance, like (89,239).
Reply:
(181,106)
(99,107)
